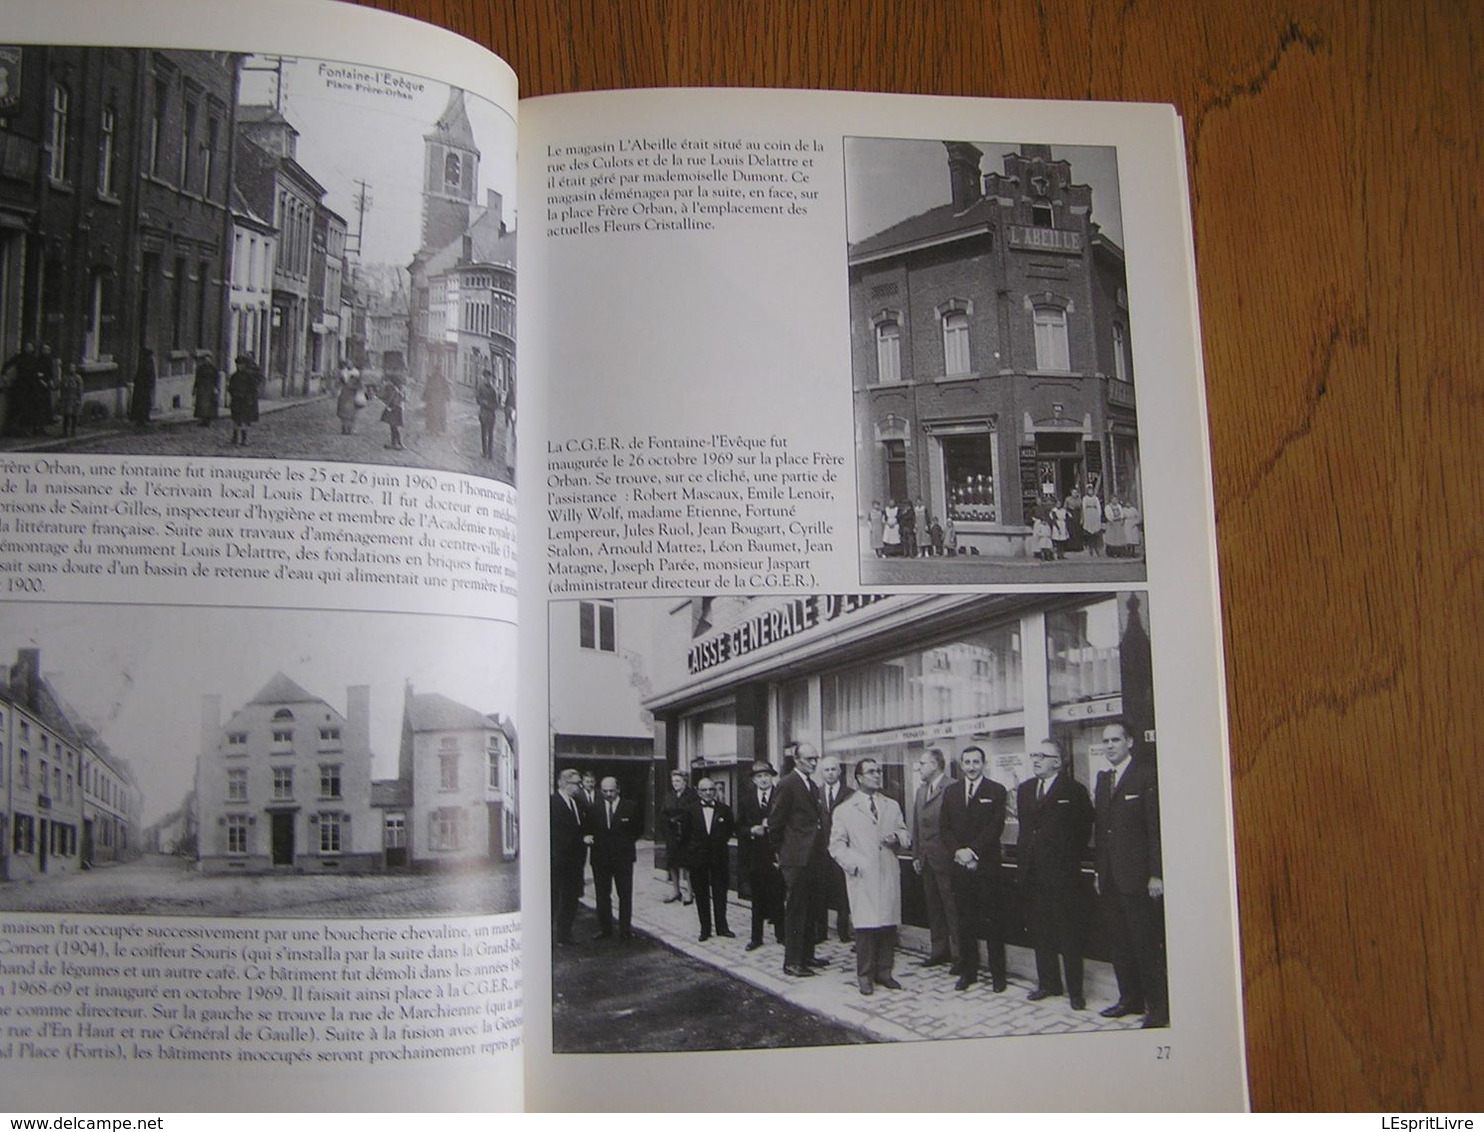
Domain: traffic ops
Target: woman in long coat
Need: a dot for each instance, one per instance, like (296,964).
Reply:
(207,392)
(866,831)
(242,389)
(142,403)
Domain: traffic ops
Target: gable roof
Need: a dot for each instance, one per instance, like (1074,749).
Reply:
(281,690)
(432,711)
(936,225)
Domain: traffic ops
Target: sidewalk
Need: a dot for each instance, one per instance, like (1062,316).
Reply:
(122,426)
(926,1007)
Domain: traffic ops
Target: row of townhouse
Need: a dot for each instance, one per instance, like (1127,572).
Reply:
(285,783)
(66,801)
(142,207)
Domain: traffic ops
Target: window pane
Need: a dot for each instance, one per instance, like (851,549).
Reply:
(968,472)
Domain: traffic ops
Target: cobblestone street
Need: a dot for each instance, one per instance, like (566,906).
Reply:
(298,430)
(927,1006)
(170,886)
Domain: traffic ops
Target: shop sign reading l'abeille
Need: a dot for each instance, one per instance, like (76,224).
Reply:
(773,625)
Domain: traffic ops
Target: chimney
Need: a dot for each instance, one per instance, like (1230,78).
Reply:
(211,722)
(25,676)
(358,719)
(963,174)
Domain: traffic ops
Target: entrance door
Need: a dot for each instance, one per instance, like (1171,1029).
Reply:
(42,847)
(283,839)
(394,841)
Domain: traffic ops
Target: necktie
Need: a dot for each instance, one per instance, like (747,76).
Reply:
(874,815)
(610,815)
(1040,789)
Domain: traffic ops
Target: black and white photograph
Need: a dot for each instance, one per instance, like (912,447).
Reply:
(993,364)
(835,819)
(225,254)
(258,763)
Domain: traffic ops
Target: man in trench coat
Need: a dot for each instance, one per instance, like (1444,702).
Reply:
(865,834)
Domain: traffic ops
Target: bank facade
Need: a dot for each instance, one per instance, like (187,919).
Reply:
(737,679)
(990,351)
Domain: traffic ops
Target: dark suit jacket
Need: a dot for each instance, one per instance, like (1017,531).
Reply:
(613,846)
(827,813)
(975,825)
(925,823)
(794,822)
(1127,849)
(754,854)
(567,832)
(1053,833)
(700,849)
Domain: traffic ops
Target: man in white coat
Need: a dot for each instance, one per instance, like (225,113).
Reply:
(866,833)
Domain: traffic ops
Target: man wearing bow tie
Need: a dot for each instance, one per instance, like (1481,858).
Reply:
(1055,824)
(973,822)
(1130,878)
(755,855)
(568,855)
(615,828)
(794,825)
(708,830)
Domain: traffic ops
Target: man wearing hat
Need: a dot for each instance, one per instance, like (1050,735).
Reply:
(756,857)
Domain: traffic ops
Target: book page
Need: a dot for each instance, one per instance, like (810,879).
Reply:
(258,724)
(882,663)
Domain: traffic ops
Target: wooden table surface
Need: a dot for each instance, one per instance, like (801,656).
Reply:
(1335,172)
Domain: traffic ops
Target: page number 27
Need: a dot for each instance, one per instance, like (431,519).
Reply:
(1161,1053)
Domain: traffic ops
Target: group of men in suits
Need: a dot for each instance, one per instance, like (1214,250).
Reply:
(805,844)
(593,823)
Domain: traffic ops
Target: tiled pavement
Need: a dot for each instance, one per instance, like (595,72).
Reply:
(926,1007)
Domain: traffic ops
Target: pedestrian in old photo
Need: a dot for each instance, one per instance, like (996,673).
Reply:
(1041,542)
(206,390)
(709,826)
(830,881)
(615,828)
(569,834)
(350,399)
(242,392)
(1055,817)
(69,399)
(436,393)
(876,521)
(394,397)
(1092,524)
(487,398)
(973,822)
(950,536)
(46,390)
(1114,538)
(755,855)
(794,825)
(866,833)
(932,859)
(908,517)
(1133,530)
(1061,530)
(672,820)
(1130,878)
(891,530)
(142,397)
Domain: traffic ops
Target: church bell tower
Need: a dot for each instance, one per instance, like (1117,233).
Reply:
(450,174)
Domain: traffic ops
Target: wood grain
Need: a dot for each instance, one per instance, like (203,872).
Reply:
(1336,175)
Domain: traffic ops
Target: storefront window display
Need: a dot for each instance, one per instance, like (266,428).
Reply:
(712,743)
(947,693)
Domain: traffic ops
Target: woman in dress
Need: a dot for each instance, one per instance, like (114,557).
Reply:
(142,403)
(391,416)
(350,400)
(1113,537)
(69,399)
(877,520)
(207,392)
(891,530)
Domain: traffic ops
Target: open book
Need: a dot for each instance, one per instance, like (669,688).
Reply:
(841,696)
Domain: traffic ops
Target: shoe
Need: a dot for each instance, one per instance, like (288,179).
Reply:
(753,945)
(1038,994)
(726,933)
(798,972)
(847,937)
(935,961)
(1156,1021)
(866,987)
(1120,1009)
(1078,1003)
(999,985)
(689,900)
(672,899)
(602,933)
(705,935)
(813,962)
(889,983)
(965,982)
